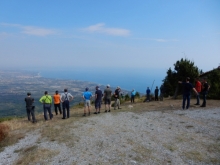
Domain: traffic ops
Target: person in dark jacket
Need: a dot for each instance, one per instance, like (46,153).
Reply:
(148,94)
(156,91)
(187,86)
(30,107)
(205,89)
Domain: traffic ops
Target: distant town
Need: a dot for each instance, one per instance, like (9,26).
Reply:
(14,86)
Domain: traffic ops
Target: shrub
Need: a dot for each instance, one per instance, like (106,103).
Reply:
(4,130)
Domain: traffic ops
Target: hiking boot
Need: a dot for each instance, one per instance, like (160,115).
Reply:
(98,111)
(105,110)
(84,114)
(119,108)
(196,104)
(95,113)
(109,110)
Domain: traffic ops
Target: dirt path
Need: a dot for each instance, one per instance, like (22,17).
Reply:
(144,133)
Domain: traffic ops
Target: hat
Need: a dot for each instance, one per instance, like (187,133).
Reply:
(87,89)
(108,85)
(118,87)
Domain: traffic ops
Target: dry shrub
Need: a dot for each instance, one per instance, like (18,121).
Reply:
(4,130)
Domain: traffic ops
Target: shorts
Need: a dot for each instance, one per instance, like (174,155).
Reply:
(107,101)
(87,103)
(98,104)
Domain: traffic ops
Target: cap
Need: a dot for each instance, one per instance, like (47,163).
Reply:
(108,85)
(29,93)
(118,87)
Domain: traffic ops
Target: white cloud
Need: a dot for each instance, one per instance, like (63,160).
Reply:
(32,30)
(100,28)
(158,39)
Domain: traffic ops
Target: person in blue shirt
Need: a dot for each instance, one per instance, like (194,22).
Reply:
(87,96)
(148,94)
(187,86)
(133,93)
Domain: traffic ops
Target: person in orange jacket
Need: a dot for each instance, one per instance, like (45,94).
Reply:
(56,98)
(198,87)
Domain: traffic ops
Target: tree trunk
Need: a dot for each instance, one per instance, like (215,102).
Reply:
(176,92)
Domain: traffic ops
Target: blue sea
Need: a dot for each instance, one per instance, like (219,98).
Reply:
(127,79)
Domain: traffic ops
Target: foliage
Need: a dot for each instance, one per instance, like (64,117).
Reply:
(214,82)
(137,95)
(127,97)
(182,69)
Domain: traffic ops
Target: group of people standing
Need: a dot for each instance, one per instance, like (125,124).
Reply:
(200,87)
(107,95)
(65,99)
(47,101)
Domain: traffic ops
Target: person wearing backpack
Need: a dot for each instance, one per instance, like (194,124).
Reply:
(65,98)
(46,100)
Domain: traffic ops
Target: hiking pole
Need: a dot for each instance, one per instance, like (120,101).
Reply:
(152,86)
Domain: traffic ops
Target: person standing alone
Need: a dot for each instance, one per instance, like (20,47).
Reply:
(65,98)
(30,107)
(133,93)
(148,94)
(56,98)
(156,91)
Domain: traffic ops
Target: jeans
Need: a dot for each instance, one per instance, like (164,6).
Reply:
(186,99)
(66,109)
(47,108)
(148,97)
(30,113)
(198,98)
(204,94)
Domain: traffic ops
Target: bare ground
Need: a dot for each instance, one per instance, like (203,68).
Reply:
(141,133)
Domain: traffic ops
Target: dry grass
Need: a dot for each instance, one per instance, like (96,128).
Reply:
(4,131)
(62,131)
(35,155)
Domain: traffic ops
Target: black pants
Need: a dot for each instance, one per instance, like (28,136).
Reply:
(156,97)
(132,98)
(66,109)
(30,113)
(57,106)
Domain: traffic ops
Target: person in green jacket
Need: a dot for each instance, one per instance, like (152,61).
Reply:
(46,100)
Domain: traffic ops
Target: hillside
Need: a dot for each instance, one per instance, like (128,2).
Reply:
(140,133)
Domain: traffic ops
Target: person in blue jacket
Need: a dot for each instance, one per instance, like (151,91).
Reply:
(133,93)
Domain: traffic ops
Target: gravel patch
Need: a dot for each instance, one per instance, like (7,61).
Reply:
(151,137)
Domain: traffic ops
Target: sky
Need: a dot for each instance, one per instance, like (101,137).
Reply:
(137,34)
